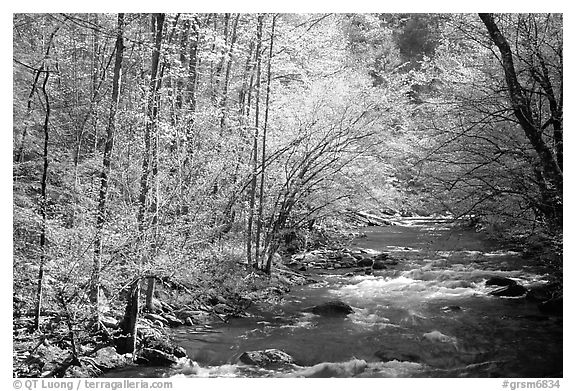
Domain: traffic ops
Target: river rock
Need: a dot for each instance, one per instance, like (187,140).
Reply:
(152,341)
(155,357)
(509,291)
(382,257)
(500,281)
(156,318)
(109,322)
(173,321)
(379,265)
(348,260)
(107,358)
(541,293)
(266,358)
(553,306)
(451,308)
(437,336)
(331,308)
(365,262)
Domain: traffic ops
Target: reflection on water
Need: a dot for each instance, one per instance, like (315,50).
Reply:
(431,316)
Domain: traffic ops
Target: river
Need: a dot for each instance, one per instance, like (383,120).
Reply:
(429,316)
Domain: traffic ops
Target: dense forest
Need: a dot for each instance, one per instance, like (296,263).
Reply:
(174,160)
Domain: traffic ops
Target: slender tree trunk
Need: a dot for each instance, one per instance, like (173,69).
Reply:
(129,325)
(151,146)
(19,154)
(43,204)
(149,129)
(255,149)
(264,134)
(192,82)
(106,163)
(224,99)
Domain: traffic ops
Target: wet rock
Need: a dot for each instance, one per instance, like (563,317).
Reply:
(509,291)
(109,322)
(348,260)
(500,281)
(154,342)
(368,272)
(173,321)
(451,308)
(379,265)
(266,358)
(541,293)
(553,306)
(365,262)
(157,318)
(437,336)
(155,357)
(331,308)
(107,358)
(386,355)
(222,308)
(382,257)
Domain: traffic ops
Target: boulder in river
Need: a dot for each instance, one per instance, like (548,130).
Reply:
(509,291)
(543,292)
(437,336)
(155,357)
(266,358)
(379,265)
(365,262)
(500,281)
(331,308)
(382,257)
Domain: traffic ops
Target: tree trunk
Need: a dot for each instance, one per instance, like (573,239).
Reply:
(106,162)
(551,168)
(224,99)
(150,127)
(129,326)
(19,154)
(43,204)
(255,149)
(151,143)
(267,269)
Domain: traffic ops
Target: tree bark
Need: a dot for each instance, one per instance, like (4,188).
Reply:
(106,163)
(43,203)
(151,139)
(255,149)
(224,99)
(521,107)
(267,268)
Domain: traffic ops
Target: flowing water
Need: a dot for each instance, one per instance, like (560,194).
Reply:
(429,316)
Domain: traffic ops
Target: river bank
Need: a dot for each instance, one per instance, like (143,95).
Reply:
(385,275)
